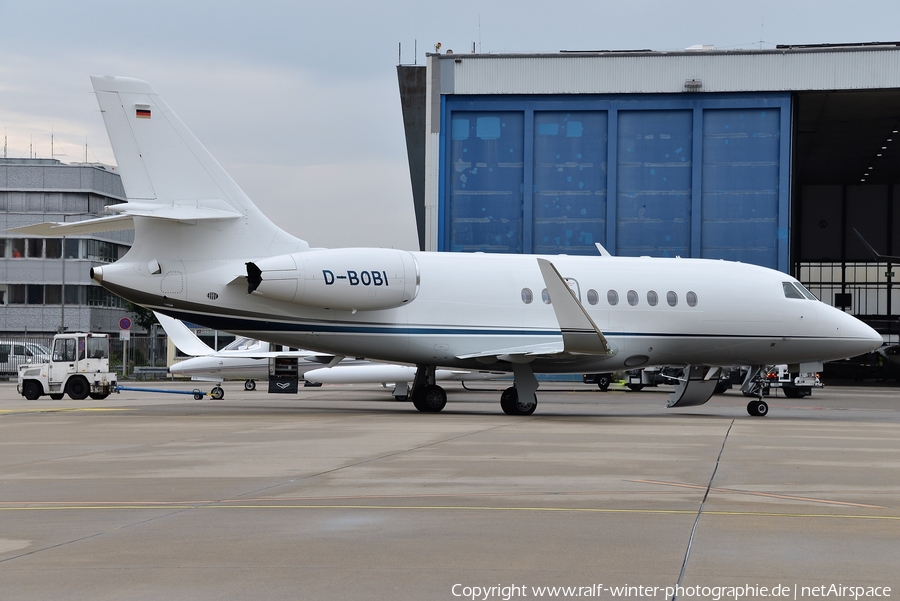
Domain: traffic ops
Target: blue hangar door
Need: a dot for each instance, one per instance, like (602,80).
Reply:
(664,176)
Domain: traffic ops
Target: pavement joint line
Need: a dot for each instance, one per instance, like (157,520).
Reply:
(599,510)
(712,477)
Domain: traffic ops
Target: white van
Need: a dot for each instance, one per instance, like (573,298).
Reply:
(14,353)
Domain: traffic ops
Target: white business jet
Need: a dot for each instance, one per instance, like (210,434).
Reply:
(244,359)
(247,359)
(204,253)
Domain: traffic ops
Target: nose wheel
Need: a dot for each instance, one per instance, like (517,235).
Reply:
(757,408)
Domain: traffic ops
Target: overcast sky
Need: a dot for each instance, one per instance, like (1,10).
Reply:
(299,100)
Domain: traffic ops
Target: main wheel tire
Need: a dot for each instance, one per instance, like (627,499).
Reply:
(603,382)
(31,390)
(78,389)
(722,386)
(217,393)
(508,400)
(250,385)
(757,408)
(430,399)
(98,396)
(512,405)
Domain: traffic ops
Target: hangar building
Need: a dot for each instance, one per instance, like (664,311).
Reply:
(771,157)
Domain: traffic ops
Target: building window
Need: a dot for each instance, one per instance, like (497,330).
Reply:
(73,296)
(52,294)
(18,248)
(53,248)
(35,294)
(2,247)
(35,248)
(16,294)
(72,248)
(101,297)
(103,252)
(4,291)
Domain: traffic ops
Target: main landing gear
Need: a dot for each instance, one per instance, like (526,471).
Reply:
(427,396)
(519,399)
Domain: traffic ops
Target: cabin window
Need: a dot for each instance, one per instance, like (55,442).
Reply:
(632,298)
(790,291)
(593,297)
(545,296)
(527,296)
(671,298)
(652,298)
(612,297)
(691,298)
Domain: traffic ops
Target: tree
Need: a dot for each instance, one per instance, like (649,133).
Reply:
(143,317)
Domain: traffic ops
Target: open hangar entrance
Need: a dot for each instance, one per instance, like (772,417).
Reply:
(846,177)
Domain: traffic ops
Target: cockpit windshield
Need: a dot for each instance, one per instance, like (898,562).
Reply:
(243,344)
(797,290)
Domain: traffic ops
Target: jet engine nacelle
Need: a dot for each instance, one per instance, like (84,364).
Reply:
(365,279)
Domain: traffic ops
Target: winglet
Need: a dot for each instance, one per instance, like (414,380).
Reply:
(580,333)
(186,341)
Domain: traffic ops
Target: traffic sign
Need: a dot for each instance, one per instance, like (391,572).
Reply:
(125,323)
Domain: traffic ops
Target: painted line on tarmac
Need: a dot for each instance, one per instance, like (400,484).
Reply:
(596,510)
(61,410)
(762,494)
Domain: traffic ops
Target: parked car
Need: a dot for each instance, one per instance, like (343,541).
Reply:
(14,353)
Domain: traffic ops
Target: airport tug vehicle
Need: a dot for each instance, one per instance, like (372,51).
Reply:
(79,367)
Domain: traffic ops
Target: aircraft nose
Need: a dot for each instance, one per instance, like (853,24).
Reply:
(863,337)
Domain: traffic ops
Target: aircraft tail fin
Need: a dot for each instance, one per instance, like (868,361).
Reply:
(169,176)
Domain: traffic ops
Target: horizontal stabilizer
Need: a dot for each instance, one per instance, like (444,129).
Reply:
(179,211)
(580,333)
(184,212)
(74,228)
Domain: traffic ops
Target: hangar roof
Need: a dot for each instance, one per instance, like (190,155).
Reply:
(873,65)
